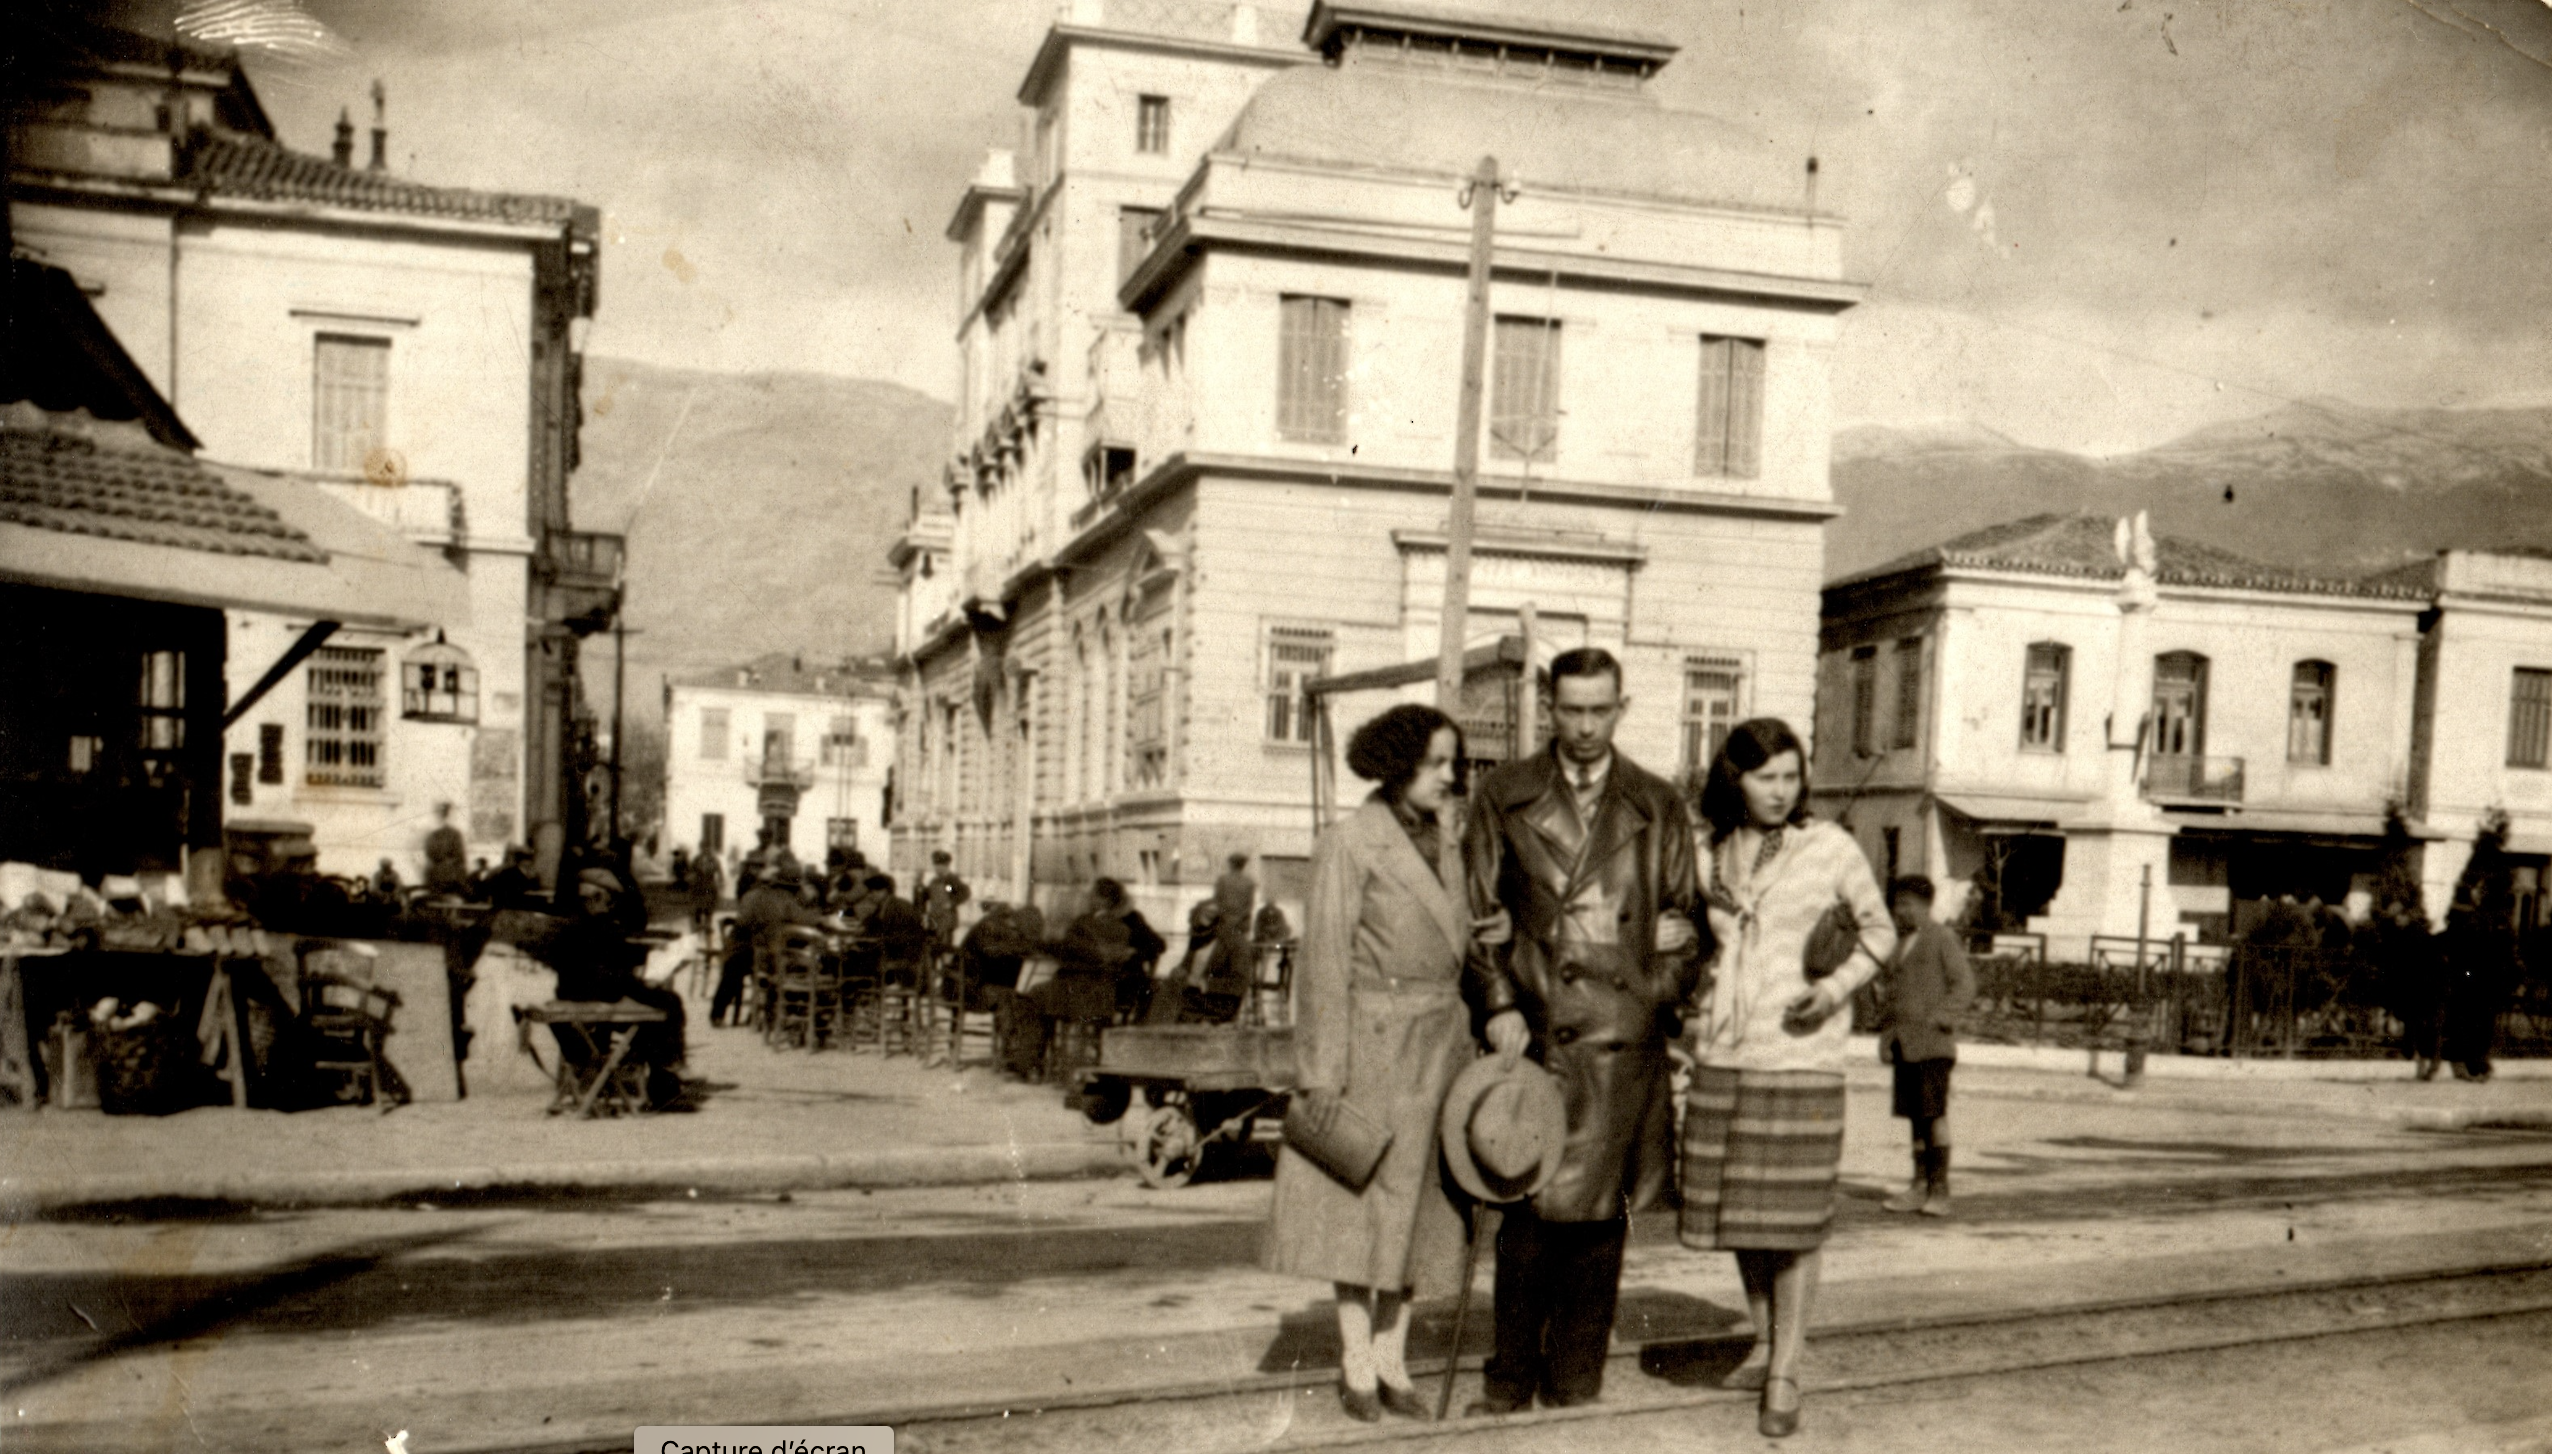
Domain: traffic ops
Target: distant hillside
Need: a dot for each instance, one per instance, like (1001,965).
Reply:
(2324,485)
(769,521)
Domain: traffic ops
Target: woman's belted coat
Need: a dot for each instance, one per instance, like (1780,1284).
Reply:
(1378,1017)
(1583,965)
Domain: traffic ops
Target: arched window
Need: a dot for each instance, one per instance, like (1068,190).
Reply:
(437,683)
(2308,712)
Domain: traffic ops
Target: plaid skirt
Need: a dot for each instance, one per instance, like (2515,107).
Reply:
(1760,1151)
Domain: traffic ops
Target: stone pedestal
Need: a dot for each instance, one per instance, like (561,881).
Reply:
(2104,875)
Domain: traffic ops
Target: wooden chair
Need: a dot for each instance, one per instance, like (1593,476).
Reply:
(349,1020)
(805,992)
(1270,1000)
(959,1008)
(900,1016)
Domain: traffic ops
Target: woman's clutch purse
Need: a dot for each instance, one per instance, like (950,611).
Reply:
(1831,942)
(1336,1137)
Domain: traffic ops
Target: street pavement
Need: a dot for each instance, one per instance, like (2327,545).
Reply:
(848,1238)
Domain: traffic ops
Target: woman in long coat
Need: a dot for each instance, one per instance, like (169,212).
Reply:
(1763,1122)
(1379,1020)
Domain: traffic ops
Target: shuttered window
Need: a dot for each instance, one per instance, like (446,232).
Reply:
(2042,696)
(1311,370)
(1524,418)
(1730,427)
(350,398)
(2530,718)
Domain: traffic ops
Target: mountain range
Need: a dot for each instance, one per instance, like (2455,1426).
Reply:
(759,507)
(2322,485)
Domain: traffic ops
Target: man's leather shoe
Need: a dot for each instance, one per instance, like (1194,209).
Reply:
(1405,1402)
(1364,1407)
(1492,1406)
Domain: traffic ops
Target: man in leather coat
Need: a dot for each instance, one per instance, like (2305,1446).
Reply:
(1592,858)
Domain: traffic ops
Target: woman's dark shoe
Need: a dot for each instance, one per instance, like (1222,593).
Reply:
(1776,1421)
(1364,1407)
(1405,1402)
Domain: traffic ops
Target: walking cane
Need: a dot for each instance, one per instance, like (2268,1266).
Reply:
(1461,1307)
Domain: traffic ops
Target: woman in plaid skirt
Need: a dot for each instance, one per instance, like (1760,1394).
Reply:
(1800,925)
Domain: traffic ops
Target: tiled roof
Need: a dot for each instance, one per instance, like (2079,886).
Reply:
(2085,546)
(234,165)
(70,473)
(782,674)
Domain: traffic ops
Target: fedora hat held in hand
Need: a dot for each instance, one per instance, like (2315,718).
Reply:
(1504,1126)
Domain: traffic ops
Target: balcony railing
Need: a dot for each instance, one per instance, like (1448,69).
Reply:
(760,772)
(2194,779)
(423,510)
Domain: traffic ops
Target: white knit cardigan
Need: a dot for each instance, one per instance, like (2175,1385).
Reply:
(1762,926)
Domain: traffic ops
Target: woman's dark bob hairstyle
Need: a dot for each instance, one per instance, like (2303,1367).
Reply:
(1750,745)
(1389,748)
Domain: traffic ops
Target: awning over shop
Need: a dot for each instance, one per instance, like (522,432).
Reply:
(103,508)
(2011,813)
(2291,823)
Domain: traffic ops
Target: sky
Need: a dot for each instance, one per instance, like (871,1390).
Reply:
(2087,224)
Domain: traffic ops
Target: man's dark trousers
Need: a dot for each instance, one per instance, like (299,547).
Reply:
(1557,1284)
(729,999)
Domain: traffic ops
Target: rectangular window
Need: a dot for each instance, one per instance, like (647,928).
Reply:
(1147,724)
(350,401)
(1295,655)
(1865,700)
(841,833)
(1524,391)
(1909,692)
(243,774)
(1311,370)
(1731,411)
(161,700)
(341,743)
(714,728)
(1152,124)
(1134,237)
(779,738)
(270,753)
(2308,713)
(713,832)
(2179,705)
(842,746)
(2530,718)
(1714,688)
(2042,697)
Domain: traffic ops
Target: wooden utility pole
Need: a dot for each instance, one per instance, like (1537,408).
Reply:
(1482,199)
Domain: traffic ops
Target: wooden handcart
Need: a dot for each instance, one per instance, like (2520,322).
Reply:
(1199,1084)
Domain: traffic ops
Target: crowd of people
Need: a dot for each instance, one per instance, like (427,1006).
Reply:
(1491,1020)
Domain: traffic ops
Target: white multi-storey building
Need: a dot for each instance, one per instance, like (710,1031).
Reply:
(407,349)
(1211,333)
(1987,704)
(803,749)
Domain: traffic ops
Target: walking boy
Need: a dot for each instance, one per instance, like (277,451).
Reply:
(1928,982)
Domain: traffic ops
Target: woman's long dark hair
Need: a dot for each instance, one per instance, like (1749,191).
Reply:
(1390,748)
(1750,745)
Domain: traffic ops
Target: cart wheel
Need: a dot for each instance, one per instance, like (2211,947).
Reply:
(1104,1100)
(1168,1153)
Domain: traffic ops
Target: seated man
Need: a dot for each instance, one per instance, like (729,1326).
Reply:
(767,908)
(1103,972)
(595,961)
(903,939)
